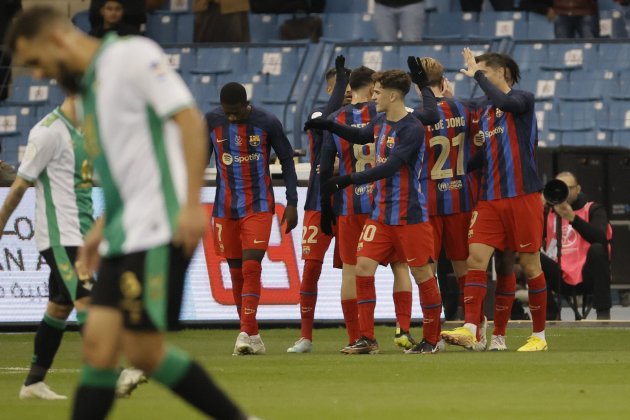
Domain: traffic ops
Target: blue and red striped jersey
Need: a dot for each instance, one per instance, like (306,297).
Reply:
(352,158)
(508,123)
(398,200)
(449,144)
(241,153)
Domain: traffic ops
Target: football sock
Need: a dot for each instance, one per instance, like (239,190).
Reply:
(95,395)
(188,380)
(366,301)
(236,274)
(47,341)
(504,298)
(475,287)
(460,283)
(537,291)
(431,303)
(350,310)
(308,296)
(402,305)
(250,296)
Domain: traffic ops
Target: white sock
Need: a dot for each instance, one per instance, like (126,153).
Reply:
(540,335)
(472,328)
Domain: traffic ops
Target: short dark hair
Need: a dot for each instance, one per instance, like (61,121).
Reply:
(393,79)
(330,73)
(233,94)
(361,77)
(504,61)
(30,23)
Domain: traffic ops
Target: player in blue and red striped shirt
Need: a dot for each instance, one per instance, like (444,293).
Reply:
(315,243)
(509,214)
(398,222)
(241,137)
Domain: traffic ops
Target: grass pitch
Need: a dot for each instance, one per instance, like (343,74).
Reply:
(585,374)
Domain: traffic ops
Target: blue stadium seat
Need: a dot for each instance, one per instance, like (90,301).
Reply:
(205,91)
(346,6)
(162,27)
(579,115)
(82,21)
(377,57)
(220,60)
(620,138)
(277,61)
(588,85)
(565,57)
(612,24)
(56,95)
(546,115)
(181,59)
(463,86)
(543,84)
(437,51)
(177,5)
(538,27)
(530,56)
(451,25)
(349,27)
(185,25)
(263,27)
(623,87)
(503,24)
(612,56)
(584,138)
(36,93)
(618,115)
(453,60)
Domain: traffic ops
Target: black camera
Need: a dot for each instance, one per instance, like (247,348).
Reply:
(555,192)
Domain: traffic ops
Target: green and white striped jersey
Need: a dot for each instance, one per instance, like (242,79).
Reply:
(56,162)
(129,95)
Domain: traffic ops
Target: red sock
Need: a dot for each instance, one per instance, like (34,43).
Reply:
(538,301)
(475,287)
(366,301)
(460,282)
(236,274)
(431,303)
(503,300)
(350,311)
(308,296)
(402,305)
(250,296)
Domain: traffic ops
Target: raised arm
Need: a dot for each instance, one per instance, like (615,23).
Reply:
(356,135)
(339,91)
(515,102)
(428,113)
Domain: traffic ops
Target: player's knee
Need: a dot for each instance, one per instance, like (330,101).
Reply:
(364,268)
(58,311)
(531,267)
(476,262)
(146,361)
(421,274)
(96,354)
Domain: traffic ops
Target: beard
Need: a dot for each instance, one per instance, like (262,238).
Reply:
(69,80)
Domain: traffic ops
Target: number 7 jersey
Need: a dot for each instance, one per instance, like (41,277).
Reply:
(449,145)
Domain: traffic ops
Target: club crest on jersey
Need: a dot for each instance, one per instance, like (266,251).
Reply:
(390,142)
(306,250)
(359,246)
(227,159)
(498,113)
(238,140)
(254,140)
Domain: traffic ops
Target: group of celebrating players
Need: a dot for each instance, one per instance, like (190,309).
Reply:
(393,186)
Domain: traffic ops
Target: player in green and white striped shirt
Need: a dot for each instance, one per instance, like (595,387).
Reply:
(150,151)
(55,162)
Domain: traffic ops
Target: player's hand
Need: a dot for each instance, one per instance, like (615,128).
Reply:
(335,184)
(471,63)
(290,216)
(328,218)
(340,64)
(318,123)
(565,211)
(88,258)
(417,72)
(191,225)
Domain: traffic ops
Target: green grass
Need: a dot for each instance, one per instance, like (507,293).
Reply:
(586,374)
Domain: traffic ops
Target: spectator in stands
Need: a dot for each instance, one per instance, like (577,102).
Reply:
(406,16)
(576,18)
(8,8)
(113,13)
(221,20)
(584,252)
(135,12)
(625,5)
(542,7)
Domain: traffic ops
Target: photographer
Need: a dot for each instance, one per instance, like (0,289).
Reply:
(584,249)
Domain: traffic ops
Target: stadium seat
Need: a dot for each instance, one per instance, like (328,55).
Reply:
(584,138)
(162,27)
(543,84)
(582,115)
(263,27)
(620,138)
(9,146)
(177,5)
(618,115)
(588,85)
(181,59)
(612,24)
(451,25)
(349,27)
(185,25)
(623,87)
(529,56)
(276,61)
(538,27)
(220,60)
(346,6)
(205,91)
(377,57)
(545,115)
(564,57)
(82,21)
(32,94)
(612,56)
(503,24)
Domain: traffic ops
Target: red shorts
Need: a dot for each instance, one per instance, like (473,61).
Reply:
(509,223)
(232,236)
(315,243)
(349,232)
(452,232)
(413,244)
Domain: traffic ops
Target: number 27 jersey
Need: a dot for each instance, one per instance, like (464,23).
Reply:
(356,199)
(449,146)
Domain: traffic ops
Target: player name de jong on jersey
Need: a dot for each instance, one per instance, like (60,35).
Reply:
(510,141)
(353,158)
(398,200)
(448,147)
(242,159)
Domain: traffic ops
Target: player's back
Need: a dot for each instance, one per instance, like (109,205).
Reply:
(242,152)
(449,144)
(510,141)
(354,158)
